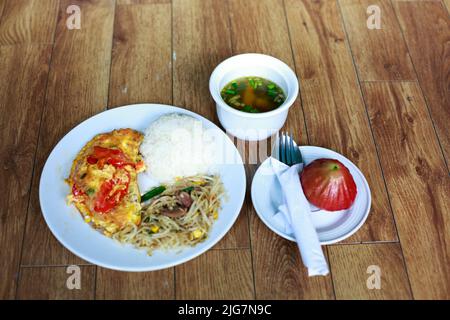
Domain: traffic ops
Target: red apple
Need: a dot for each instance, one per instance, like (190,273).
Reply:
(328,185)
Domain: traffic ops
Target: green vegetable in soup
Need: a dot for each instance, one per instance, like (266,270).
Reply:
(253,95)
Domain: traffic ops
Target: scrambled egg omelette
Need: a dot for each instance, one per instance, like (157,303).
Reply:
(103,180)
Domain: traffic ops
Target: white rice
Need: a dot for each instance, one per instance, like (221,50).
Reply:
(177,145)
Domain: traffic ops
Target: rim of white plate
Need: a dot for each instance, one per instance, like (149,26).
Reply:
(194,254)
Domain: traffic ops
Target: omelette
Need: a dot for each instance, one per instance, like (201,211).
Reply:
(103,180)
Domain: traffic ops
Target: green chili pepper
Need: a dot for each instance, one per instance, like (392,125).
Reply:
(153,193)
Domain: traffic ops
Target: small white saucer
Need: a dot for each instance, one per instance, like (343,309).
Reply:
(331,227)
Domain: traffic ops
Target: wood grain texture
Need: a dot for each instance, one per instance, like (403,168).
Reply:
(2,6)
(447,4)
(278,270)
(77,89)
(118,285)
(426,27)
(335,113)
(52,283)
(418,182)
(261,264)
(352,263)
(126,2)
(141,69)
(23,77)
(201,40)
(268,35)
(380,54)
(216,274)
(28,21)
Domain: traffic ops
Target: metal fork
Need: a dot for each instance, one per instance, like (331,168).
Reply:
(288,152)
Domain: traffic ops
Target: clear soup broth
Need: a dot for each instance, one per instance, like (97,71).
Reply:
(253,95)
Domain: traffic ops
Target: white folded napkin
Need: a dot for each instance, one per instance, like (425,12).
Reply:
(295,213)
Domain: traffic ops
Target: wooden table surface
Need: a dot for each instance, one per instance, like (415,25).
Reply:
(380,97)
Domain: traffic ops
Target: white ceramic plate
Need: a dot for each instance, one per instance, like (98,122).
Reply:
(67,224)
(331,227)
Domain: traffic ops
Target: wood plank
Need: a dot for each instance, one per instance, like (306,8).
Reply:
(201,40)
(335,113)
(351,269)
(141,71)
(268,36)
(426,27)
(50,283)
(141,58)
(278,270)
(216,274)
(23,75)
(418,182)
(77,89)
(380,54)
(2,6)
(117,285)
(125,2)
(447,4)
(28,21)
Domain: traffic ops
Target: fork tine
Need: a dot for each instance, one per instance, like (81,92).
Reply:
(280,146)
(291,149)
(286,149)
(296,158)
(298,155)
(277,146)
